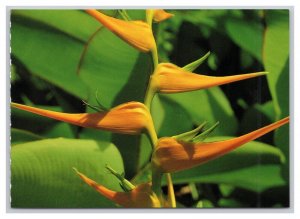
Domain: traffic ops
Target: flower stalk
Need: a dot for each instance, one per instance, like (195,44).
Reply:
(171,195)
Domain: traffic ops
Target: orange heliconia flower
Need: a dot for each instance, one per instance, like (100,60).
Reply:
(173,155)
(169,78)
(136,33)
(128,118)
(161,15)
(140,197)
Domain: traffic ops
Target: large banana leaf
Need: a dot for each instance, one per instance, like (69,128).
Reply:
(42,174)
(49,52)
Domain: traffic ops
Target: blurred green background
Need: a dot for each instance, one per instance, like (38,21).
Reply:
(61,57)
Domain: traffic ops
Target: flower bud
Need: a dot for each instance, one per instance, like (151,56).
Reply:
(160,15)
(128,118)
(140,197)
(136,33)
(169,78)
(172,155)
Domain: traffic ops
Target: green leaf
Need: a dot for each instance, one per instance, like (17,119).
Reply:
(229,203)
(14,77)
(20,136)
(258,116)
(42,175)
(226,190)
(276,53)
(204,204)
(61,129)
(282,141)
(246,34)
(195,64)
(75,23)
(118,71)
(267,109)
(169,117)
(276,61)
(209,105)
(203,18)
(201,137)
(257,178)
(188,136)
(49,53)
(95,134)
(136,14)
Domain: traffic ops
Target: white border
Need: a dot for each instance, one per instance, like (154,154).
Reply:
(130,4)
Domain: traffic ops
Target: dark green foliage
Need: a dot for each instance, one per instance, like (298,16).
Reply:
(61,57)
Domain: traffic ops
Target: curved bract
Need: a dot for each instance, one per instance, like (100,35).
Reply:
(160,15)
(169,78)
(129,118)
(172,155)
(140,197)
(136,33)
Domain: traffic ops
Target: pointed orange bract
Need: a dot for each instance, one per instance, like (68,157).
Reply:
(172,155)
(136,33)
(169,78)
(139,197)
(161,15)
(128,118)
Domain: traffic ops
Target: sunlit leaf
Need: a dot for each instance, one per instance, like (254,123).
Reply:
(42,170)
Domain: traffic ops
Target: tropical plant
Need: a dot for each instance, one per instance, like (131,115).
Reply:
(149,113)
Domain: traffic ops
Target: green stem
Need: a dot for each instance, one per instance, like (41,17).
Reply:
(124,15)
(149,17)
(154,56)
(153,137)
(171,194)
(156,182)
(149,94)
(156,173)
